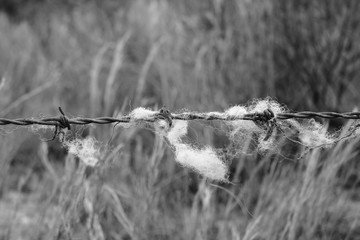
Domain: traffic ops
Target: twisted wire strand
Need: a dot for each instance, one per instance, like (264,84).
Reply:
(327,115)
(62,121)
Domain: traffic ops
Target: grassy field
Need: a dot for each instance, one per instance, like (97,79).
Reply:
(104,58)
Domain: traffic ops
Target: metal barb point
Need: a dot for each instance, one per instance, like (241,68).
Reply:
(61,111)
(266,121)
(63,120)
(166,115)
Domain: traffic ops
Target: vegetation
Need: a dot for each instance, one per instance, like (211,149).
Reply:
(103,58)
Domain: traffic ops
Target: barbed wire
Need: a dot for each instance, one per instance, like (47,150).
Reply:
(64,122)
(263,119)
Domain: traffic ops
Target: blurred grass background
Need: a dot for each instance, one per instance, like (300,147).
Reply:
(100,58)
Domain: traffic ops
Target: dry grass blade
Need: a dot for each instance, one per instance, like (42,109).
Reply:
(94,80)
(2,83)
(120,213)
(28,96)
(116,65)
(145,69)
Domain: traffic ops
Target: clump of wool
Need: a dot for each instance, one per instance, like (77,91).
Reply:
(204,161)
(137,114)
(86,149)
(242,130)
(240,125)
(310,133)
(142,113)
(162,127)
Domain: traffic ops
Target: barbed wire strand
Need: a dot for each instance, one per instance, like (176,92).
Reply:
(263,119)
(64,122)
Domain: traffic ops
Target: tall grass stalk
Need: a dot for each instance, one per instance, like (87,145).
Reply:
(118,58)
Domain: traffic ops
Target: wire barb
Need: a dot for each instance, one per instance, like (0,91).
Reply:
(166,115)
(63,120)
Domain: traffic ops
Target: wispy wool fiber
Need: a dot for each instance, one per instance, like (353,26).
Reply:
(242,130)
(204,161)
(137,115)
(142,113)
(86,149)
(240,125)
(248,127)
(310,133)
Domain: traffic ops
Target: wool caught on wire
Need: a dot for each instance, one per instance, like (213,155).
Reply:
(262,121)
(86,149)
(204,161)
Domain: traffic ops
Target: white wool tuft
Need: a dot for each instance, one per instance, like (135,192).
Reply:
(161,127)
(314,135)
(311,133)
(204,161)
(262,105)
(240,125)
(236,111)
(215,114)
(141,113)
(85,149)
(266,144)
(178,130)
